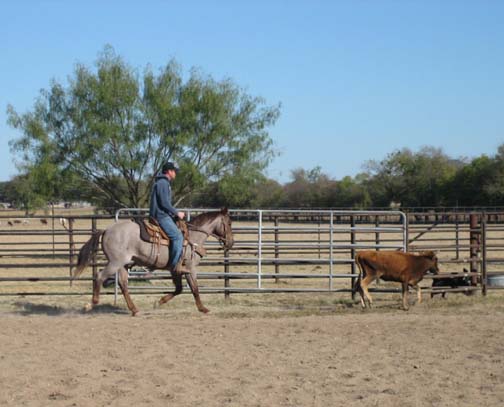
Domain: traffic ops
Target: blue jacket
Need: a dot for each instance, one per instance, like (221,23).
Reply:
(160,202)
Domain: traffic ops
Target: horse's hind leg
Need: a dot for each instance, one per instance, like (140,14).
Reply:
(101,276)
(177,281)
(193,283)
(123,283)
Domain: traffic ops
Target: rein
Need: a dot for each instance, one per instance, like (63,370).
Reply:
(222,240)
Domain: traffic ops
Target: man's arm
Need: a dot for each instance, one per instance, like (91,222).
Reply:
(164,199)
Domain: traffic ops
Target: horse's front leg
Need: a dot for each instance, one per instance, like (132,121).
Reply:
(193,283)
(177,282)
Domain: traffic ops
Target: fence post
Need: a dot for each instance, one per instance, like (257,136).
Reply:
(457,242)
(53,237)
(352,252)
(483,255)
(71,246)
(318,232)
(331,244)
(277,254)
(377,233)
(95,267)
(226,272)
(473,246)
(406,234)
(259,249)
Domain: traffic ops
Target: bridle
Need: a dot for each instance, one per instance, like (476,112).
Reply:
(223,240)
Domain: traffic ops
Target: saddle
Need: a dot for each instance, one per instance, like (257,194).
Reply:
(152,232)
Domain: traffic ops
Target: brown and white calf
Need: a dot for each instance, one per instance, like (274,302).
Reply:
(405,268)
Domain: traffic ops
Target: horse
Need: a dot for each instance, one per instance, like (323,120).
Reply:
(123,248)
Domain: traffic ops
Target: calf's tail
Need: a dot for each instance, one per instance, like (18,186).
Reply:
(86,253)
(357,283)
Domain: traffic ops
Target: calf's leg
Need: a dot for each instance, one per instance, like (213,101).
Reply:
(364,287)
(419,293)
(405,296)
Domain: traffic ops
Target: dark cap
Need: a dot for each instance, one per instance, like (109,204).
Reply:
(169,165)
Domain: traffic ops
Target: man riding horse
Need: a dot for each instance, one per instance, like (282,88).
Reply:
(124,247)
(166,215)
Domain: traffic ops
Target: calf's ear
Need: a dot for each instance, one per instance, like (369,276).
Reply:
(429,253)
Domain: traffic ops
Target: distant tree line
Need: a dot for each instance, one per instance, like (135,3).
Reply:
(427,178)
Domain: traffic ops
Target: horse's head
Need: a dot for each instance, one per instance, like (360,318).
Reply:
(223,229)
(216,224)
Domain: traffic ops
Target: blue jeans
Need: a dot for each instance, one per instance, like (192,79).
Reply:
(176,239)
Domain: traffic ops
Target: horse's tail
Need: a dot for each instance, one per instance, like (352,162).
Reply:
(86,253)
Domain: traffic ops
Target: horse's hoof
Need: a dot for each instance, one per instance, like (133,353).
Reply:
(88,307)
(204,310)
(134,313)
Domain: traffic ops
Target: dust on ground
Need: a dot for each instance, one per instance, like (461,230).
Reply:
(282,350)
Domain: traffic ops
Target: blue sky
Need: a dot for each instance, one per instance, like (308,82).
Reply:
(356,79)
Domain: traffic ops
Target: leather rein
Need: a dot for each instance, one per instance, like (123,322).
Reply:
(222,240)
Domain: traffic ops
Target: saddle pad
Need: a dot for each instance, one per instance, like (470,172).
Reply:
(151,233)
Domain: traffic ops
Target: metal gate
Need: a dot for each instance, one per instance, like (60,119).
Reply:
(291,250)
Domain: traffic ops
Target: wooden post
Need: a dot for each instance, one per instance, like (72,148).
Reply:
(473,246)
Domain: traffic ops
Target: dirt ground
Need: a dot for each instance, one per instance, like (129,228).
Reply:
(291,350)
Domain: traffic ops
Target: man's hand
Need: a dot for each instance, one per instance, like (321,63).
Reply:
(181,215)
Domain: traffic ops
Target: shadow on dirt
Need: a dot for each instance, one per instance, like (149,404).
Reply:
(29,308)
(106,309)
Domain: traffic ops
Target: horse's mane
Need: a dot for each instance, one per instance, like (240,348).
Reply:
(204,218)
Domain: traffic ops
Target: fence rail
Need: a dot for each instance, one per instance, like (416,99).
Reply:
(275,250)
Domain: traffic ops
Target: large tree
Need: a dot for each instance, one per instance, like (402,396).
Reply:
(494,185)
(113,128)
(412,179)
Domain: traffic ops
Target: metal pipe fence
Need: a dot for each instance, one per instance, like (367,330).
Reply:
(275,250)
